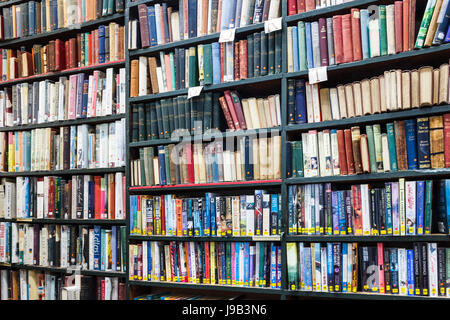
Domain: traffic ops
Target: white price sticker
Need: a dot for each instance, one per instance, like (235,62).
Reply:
(317,75)
(194,91)
(273,25)
(227,35)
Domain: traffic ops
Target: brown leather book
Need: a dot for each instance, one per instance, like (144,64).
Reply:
(342,154)
(349,151)
(78,57)
(121,53)
(426,86)
(172,166)
(169,17)
(337,36)
(237,60)
(347,43)
(152,72)
(435,86)
(227,113)
(365,154)
(325,107)
(51,56)
(243,65)
(398,22)
(356,146)
(143,25)
(437,142)
(134,83)
(14,284)
(301,6)
(400,144)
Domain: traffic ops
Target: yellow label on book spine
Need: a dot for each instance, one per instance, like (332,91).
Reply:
(383,232)
(389,230)
(343,232)
(292,286)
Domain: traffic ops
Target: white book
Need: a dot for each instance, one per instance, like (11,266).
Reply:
(390,28)
(114,288)
(315,46)
(349,266)
(345,274)
(328,170)
(313,153)
(301,265)
(306,156)
(402,271)
(410,201)
(309,103)
(432,269)
(374,34)
(23,284)
(277,108)
(316,102)
(112,145)
(385,148)
(175,22)
(245,13)
(323,265)
(321,154)
(250,201)
(334,101)
(274,9)
(108,288)
(365,208)
(334,153)
(110,88)
(402,206)
(122,93)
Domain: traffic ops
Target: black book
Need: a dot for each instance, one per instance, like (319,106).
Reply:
(424,260)
(181,112)
(217,113)
(264,54)
(441,271)
(382,203)
(256,54)
(176,115)
(323,220)
(373,212)
(135,124)
(364,265)
(200,106)
(141,122)
(88,288)
(80,196)
(387,270)
(57,247)
(337,265)
(154,121)
(118,248)
(148,122)
(165,118)
(278,51)
(193,111)
(119,6)
(187,114)
(418,281)
(207,109)
(73,245)
(86,247)
(348,210)
(250,53)
(271,53)
(51,245)
(288,159)
(171,117)
(182,67)
(176,63)
(159,117)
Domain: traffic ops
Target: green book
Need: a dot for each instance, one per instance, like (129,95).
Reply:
(427,15)
(86,47)
(271,53)
(159,118)
(264,64)
(142,161)
(187,114)
(291,252)
(167,164)
(378,147)
(217,113)
(110,9)
(172,70)
(228,262)
(371,145)
(148,121)
(302,45)
(165,119)
(181,113)
(141,121)
(154,121)
(193,67)
(105,7)
(382,29)
(391,145)
(428,201)
(199,106)
(168,103)
(278,49)
(250,60)
(257,54)
(135,122)
(176,115)
(263,252)
(207,109)
(193,112)
(207,64)
(297,163)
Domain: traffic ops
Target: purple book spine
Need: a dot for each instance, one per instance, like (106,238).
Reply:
(80,95)
(252,266)
(323,41)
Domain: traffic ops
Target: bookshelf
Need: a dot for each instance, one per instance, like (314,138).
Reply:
(353,70)
(28,41)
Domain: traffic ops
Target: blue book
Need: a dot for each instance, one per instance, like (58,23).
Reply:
(258,13)
(309,50)
(273,265)
(391,146)
(207,216)
(410,271)
(388,207)
(190,219)
(79,101)
(308,268)
(330,273)
(91,200)
(341,210)
(149,260)
(279,267)
(300,102)
(246,263)
(196,216)
(133,212)
(165,23)
(364,13)
(443,26)
(216,62)
(423,143)
(295,48)
(411,145)
(101,44)
(113,248)
(232,14)
(84,98)
(335,211)
(274,213)
(420,206)
(226,15)
(31,17)
(152,26)
(26,187)
(344,256)
(97,247)
(159,35)
(447,202)
(27,162)
(447,36)
(192,18)
(162,165)
(55,15)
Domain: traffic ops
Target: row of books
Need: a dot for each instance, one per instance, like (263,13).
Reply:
(351,37)
(75,97)
(170,118)
(254,159)
(392,208)
(417,270)
(74,147)
(246,264)
(34,285)
(79,197)
(296,6)
(206,64)
(160,23)
(34,17)
(212,215)
(407,145)
(171,296)
(90,248)
(394,90)
(102,45)
(434,28)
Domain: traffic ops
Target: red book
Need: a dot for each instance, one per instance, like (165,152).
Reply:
(97,193)
(208,263)
(190,164)
(163,31)
(226,112)
(236,58)
(230,104)
(337,35)
(222,54)
(162,213)
(143,25)
(102,291)
(356,199)
(139,262)
(310,5)
(51,197)
(292,7)
(59,55)
(238,108)
(405,25)
(323,42)
(447,139)
(96,46)
(179,214)
(347,43)
(349,151)
(380,260)
(356,34)
(243,65)
(398,22)
(68,53)
(342,157)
